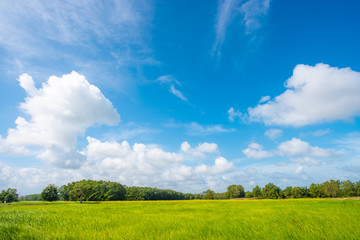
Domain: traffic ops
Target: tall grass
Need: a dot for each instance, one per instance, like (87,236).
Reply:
(198,219)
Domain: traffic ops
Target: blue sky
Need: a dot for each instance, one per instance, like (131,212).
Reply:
(179,94)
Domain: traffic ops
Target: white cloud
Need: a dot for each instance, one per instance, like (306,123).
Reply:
(167,79)
(291,148)
(255,150)
(314,95)
(221,166)
(299,170)
(195,129)
(232,114)
(251,11)
(321,132)
(273,133)
(306,161)
(200,149)
(61,110)
(52,37)
(223,18)
(171,82)
(28,25)
(177,93)
(264,99)
(297,147)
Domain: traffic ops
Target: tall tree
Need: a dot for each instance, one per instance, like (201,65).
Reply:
(347,189)
(331,188)
(257,191)
(209,194)
(82,190)
(50,193)
(235,191)
(316,190)
(271,191)
(9,195)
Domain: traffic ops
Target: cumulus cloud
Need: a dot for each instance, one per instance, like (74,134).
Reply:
(255,150)
(60,111)
(232,114)
(200,149)
(297,150)
(297,147)
(142,164)
(315,94)
(221,166)
(273,133)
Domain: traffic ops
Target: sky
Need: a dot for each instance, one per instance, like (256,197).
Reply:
(182,95)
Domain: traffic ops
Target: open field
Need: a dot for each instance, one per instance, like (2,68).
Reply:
(194,219)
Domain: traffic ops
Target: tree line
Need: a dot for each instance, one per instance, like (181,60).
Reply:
(90,190)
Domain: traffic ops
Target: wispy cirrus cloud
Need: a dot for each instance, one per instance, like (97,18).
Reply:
(251,13)
(171,81)
(195,129)
(43,35)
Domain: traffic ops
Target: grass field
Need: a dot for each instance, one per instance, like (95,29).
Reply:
(194,219)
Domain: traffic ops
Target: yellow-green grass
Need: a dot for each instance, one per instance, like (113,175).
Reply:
(194,219)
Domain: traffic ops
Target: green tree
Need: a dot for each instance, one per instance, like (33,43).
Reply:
(9,195)
(287,192)
(357,188)
(271,191)
(257,191)
(296,192)
(316,190)
(347,189)
(331,188)
(209,194)
(249,194)
(50,193)
(235,191)
(81,190)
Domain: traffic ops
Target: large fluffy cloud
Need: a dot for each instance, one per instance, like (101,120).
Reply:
(297,147)
(58,112)
(314,94)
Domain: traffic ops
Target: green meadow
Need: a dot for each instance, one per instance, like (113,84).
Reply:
(192,219)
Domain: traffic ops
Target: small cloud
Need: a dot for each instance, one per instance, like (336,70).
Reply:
(273,133)
(195,129)
(307,161)
(255,150)
(177,93)
(318,133)
(264,99)
(171,81)
(321,132)
(232,114)
(200,149)
(299,170)
(167,79)
(251,11)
